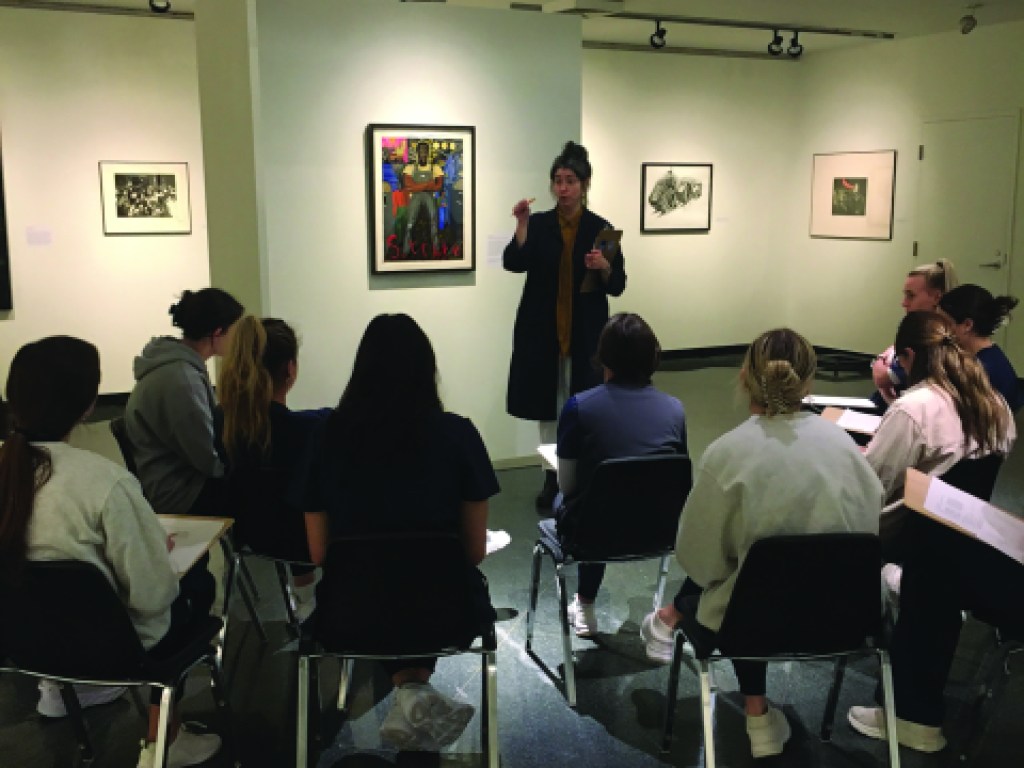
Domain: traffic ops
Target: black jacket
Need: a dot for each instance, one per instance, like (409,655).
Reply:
(533,373)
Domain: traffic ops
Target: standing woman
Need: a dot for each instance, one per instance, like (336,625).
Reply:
(976,315)
(558,324)
(169,416)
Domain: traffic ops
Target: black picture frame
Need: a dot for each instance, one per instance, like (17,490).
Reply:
(675,198)
(442,235)
(6,294)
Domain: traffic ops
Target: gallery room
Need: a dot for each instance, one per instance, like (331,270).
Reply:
(806,183)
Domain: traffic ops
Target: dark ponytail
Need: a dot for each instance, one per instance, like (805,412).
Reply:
(52,383)
(972,302)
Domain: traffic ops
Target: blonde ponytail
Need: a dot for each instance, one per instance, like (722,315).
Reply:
(245,390)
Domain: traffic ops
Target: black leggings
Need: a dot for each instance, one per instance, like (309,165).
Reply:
(752,675)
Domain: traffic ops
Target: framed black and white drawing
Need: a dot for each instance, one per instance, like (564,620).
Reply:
(421,188)
(676,198)
(145,198)
(852,195)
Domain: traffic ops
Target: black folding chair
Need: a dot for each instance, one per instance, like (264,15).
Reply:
(268,529)
(443,609)
(630,511)
(797,598)
(63,621)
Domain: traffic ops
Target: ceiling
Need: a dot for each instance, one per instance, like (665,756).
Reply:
(895,18)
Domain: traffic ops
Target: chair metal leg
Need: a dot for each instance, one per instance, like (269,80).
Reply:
(344,682)
(531,607)
(249,582)
(490,714)
(888,702)
(220,697)
(673,691)
(74,710)
(563,611)
(302,715)
(283,579)
(162,742)
(659,590)
(707,705)
(829,718)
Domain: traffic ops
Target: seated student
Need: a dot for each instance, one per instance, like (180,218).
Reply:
(781,472)
(625,416)
(62,503)
(922,289)
(265,441)
(391,460)
(169,416)
(950,412)
(976,316)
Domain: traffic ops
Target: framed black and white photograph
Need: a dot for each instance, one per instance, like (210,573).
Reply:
(676,198)
(420,181)
(852,195)
(145,198)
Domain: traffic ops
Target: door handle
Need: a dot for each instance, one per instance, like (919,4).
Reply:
(992,265)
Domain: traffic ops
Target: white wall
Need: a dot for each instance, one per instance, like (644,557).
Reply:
(77,89)
(326,71)
(726,286)
(760,122)
(878,97)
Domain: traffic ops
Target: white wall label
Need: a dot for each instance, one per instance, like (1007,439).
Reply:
(38,236)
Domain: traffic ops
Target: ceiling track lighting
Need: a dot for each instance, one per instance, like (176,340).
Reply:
(775,46)
(795,49)
(658,38)
(159,6)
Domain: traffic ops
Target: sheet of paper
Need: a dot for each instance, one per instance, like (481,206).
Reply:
(497,540)
(192,538)
(548,456)
(840,402)
(854,421)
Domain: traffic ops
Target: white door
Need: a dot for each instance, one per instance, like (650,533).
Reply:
(967,179)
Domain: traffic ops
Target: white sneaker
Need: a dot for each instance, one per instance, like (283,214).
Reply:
(768,733)
(582,618)
(426,719)
(659,639)
(52,705)
(870,721)
(187,749)
(397,731)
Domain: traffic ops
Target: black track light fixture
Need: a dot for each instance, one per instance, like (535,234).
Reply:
(775,46)
(795,49)
(658,38)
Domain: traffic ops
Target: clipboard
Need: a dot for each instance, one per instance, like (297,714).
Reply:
(607,242)
(967,514)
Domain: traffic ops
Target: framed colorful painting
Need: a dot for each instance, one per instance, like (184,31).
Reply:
(421,193)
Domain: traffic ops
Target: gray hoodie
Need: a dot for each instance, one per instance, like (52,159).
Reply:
(169,420)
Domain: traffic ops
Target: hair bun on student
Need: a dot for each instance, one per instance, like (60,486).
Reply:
(200,313)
